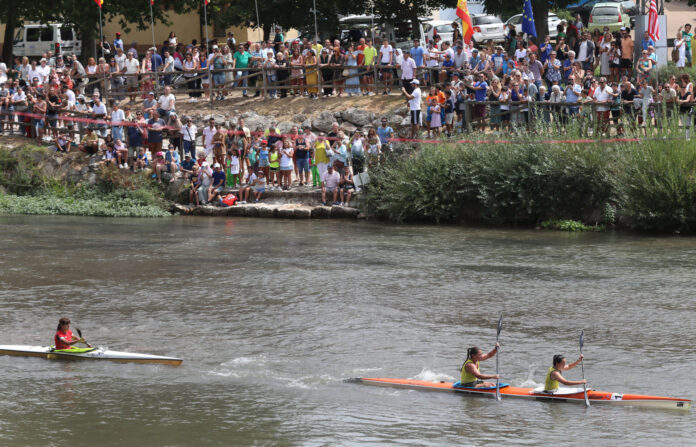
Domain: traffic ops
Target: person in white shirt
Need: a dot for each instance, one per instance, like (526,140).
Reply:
(45,71)
(188,131)
(408,72)
(166,103)
(34,73)
(117,118)
(99,113)
(329,183)
(120,58)
(414,105)
(208,134)
(386,57)
(131,66)
(602,96)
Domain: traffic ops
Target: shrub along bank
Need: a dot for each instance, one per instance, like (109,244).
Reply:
(647,185)
(25,188)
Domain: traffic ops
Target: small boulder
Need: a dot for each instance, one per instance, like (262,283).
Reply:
(285,127)
(357,116)
(323,121)
(349,128)
(321,212)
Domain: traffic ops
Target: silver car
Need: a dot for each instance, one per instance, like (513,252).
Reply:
(554,21)
(487,28)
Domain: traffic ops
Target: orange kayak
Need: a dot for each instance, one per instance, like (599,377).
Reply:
(562,395)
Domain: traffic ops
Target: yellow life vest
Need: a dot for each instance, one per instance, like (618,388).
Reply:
(467,377)
(551,384)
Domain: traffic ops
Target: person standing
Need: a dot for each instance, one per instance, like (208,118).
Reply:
(687,35)
(408,73)
(414,106)
(627,46)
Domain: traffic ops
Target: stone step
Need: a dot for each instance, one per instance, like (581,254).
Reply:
(283,211)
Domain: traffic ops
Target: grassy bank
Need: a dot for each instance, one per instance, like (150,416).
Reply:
(25,189)
(650,185)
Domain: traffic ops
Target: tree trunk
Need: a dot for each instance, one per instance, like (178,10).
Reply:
(10,25)
(267,32)
(541,19)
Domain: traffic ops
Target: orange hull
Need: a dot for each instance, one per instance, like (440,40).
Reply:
(599,397)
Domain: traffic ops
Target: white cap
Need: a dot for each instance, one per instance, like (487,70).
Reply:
(216,165)
(415,81)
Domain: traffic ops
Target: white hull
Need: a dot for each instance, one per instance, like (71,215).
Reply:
(47,352)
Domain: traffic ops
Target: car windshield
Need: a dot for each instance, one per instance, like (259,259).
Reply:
(486,20)
(444,29)
(605,11)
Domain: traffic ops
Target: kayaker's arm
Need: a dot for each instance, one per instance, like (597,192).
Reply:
(473,370)
(557,376)
(574,364)
(491,354)
(73,341)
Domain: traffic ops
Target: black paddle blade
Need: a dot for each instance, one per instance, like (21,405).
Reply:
(582,338)
(79,332)
(500,324)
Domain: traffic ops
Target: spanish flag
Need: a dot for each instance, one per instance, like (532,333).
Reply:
(99,2)
(467,27)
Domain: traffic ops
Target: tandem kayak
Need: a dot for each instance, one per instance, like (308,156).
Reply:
(49,352)
(562,395)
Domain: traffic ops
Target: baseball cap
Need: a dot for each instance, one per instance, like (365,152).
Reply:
(415,81)
(151,93)
(216,165)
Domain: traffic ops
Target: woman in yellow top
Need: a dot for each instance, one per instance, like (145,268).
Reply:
(554,377)
(471,376)
(274,167)
(311,74)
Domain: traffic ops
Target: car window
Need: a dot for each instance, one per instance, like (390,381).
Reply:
(66,33)
(516,20)
(444,29)
(47,34)
(33,34)
(486,20)
(605,11)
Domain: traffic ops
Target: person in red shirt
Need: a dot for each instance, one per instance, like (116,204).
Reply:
(64,338)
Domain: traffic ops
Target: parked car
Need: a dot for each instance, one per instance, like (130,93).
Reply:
(35,40)
(554,20)
(584,8)
(487,28)
(608,15)
(442,28)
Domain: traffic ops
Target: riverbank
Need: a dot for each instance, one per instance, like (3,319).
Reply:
(644,185)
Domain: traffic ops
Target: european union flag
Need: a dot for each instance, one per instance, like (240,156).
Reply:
(528,19)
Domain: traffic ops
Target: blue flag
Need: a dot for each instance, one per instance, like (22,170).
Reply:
(528,19)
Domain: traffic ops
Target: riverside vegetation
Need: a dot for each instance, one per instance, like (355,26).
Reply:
(645,185)
(26,189)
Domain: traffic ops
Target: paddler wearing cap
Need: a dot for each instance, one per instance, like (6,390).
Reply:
(64,338)
(471,376)
(554,377)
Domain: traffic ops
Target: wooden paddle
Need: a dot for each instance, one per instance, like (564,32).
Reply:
(497,336)
(79,332)
(582,366)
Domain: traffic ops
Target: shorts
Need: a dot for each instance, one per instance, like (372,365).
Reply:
(415,117)
(263,163)
(276,169)
(386,71)
(626,63)
(131,81)
(219,78)
(329,189)
(449,118)
(286,168)
(133,151)
(40,124)
(218,150)
(471,384)
(302,165)
(256,189)
(91,149)
(347,187)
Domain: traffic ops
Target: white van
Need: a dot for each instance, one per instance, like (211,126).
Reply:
(35,40)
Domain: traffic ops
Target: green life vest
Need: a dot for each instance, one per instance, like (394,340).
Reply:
(551,384)
(467,377)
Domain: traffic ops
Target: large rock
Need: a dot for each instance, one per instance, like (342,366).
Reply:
(256,121)
(299,118)
(286,126)
(323,121)
(349,128)
(358,117)
(343,212)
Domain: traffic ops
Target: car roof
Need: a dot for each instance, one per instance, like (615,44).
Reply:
(604,4)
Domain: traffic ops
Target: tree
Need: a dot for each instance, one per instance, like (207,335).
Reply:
(540,9)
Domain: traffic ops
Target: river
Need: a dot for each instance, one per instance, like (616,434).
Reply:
(271,315)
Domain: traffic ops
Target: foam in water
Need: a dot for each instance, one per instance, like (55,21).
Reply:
(432,376)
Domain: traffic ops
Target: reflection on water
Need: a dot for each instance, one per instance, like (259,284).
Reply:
(271,315)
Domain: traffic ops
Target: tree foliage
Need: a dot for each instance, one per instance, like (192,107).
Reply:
(540,9)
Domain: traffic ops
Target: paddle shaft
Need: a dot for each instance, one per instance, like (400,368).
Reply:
(582,368)
(79,332)
(497,357)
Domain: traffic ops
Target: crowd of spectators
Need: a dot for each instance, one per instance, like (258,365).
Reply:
(593,77)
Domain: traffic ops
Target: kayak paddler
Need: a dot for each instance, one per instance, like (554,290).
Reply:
(64,338)
(554,376)
(471,376)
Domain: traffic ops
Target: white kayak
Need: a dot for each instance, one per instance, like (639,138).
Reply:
(49,352)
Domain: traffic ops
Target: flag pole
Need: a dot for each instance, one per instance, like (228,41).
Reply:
(207,48)
(258,20)
(101,35)
(154,45)
(316,32)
